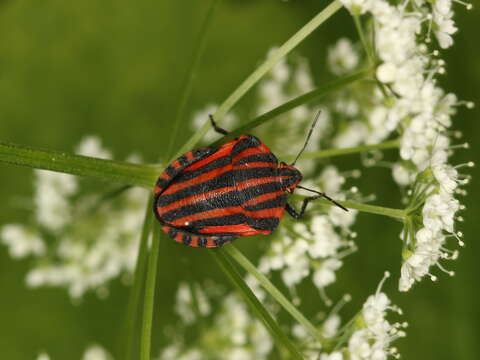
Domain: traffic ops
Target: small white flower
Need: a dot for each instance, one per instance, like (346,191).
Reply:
(325,274)
(96,352)
(21,241)
(43,356)
(342,57)
(357,7)
(92,146)
(387,72)
(331,325)
(402,175)
(336,355)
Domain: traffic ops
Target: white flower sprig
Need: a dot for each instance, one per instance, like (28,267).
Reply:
(412,103)
(77,240)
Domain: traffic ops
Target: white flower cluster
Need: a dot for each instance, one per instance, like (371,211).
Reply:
(78,240)
(318,248)
(93,352)
(186,304)
(413,104)
(370,334)
(231,335)
(426,247)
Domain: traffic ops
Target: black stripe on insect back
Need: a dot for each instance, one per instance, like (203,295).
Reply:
(172,232)
(279,201)
(222,180)
(244,144)
(219,202)
(187,238)
(270,223)
(231,198)
(234,219)
(215,164)
(265,157)
(222,240)
(162,183)
(183,160)
(253,191)
(202,242)
(171,171)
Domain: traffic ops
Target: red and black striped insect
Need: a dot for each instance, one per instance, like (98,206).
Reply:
(209,197)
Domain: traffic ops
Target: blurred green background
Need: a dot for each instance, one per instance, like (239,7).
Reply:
(115,68)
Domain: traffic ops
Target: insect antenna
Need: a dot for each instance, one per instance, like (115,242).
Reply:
(324,196)
(308,136)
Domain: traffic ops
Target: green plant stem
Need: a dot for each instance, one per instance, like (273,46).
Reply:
(366,46)
(273,291)
(110,170)
(300,100)
(150,295)
(260,71)
(192,73)
(139,278)
(392,144)
(257,307)
(371,209)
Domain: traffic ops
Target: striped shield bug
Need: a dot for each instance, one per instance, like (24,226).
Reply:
(210,196)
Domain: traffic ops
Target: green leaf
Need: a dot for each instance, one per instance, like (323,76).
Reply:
(133,311)
(150,295)
(257,307)
(110,170)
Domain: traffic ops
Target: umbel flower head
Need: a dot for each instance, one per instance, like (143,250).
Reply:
(430,223)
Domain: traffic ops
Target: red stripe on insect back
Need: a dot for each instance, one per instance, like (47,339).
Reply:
(193,199)
(210,242)
(251,151)
(189,156)
(222,151)
(262,198)
(197,180)
(157,189)
(243,229)
(165,176)
(264,213)
(212,174)
(256,164)
(242,185)
(194,241)
(176,164)
(207,214)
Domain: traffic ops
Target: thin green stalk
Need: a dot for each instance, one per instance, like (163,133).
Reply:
(192,73)
(110,170)
(273,291)
(392,144)
(366,45)
(300,100)
(259,72)
(371,209)
(145,344)
(257,307)
(139,278)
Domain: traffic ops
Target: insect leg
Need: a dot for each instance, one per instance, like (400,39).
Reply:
(297,215)
(216,127)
